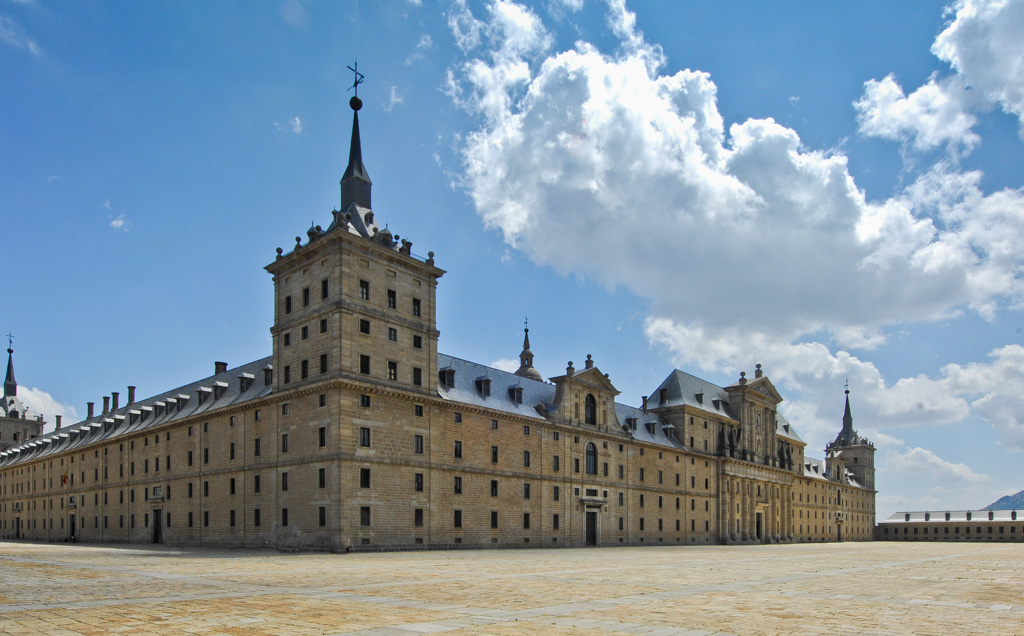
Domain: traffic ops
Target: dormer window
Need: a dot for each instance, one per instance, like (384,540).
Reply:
(219,389)
(268,375)
(590,410)
(631,423)
(447,378)
(245,381)
(202,393)
(700,397)
(717,403)
(651,428)
(483,386)
(515,393)
(662,396)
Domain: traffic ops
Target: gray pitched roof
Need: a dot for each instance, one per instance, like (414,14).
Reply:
(683,389)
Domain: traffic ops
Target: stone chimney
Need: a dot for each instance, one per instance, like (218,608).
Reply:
(113,399)
(57,417)
(131,395)
(89,406)
(643,405)
(106,404)
(220,367)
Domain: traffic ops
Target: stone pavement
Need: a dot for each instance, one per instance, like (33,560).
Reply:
(848,588)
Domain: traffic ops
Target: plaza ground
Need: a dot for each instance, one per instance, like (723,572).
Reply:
(848,588)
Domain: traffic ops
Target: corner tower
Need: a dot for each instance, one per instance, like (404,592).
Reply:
(856,452)
(353,302)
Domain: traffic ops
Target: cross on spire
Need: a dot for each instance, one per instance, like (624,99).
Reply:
(526,322)
(359,78)
(10,341)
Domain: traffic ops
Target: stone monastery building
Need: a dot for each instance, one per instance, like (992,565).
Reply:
(357,434)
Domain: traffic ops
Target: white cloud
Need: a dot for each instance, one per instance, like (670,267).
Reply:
(42,403)
(743,240)
(415,3)
(983,46)
(393,98)
(120,223)
(295,14)
(52,178)
(424,44)
(921,460)
(296,125)
(106,203)
(11,34)
(506,364)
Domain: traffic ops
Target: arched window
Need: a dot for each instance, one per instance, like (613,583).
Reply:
(591,410)
(591,457)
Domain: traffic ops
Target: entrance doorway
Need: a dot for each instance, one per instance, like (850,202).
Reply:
(758,521)
(156,525)
(591,528)
(839,532)
(71,528)
(17,527)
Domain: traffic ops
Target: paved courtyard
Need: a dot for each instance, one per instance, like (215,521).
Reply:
(862,588)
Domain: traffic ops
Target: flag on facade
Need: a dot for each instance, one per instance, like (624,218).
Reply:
(64,479)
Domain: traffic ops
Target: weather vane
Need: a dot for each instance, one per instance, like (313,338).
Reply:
(359,77)
(10,341)
(526,322)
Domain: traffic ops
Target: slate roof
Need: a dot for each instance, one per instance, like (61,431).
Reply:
(955,516)
(689,390)
(223,389)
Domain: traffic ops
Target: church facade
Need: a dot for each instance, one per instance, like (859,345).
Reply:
(356,433)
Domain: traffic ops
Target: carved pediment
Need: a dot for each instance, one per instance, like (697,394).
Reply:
(766,388)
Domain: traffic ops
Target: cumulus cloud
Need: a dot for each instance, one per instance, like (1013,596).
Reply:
(918,459)
(120,223)
(294,125)
(295,14)
(394,98)
(984,47)
(12,35)
(42,403)
(744,241)
(506,364)
(424,44)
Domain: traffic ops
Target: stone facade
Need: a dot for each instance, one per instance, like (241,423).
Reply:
(955,525)
(357,434)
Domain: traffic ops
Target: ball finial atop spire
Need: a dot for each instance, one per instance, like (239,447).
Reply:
(355,103)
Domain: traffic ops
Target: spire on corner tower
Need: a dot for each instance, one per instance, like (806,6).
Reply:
(355,183)
(10,385)
(526,369)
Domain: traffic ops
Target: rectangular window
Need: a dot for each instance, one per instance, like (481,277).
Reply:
(287,304)
(417,342)
(206,456)
(231,452)
(324,289)
(417,410)
(305,296)
(364,401)
(417,517)
(322,516)
(189,462)
(323,436)
(392,370)
(575,464)
(364,364)
(494,487)
(526,458)
(457,418)
(494,454)
(321,478)
(526,430)
(323,325)
(392,299)
(323,363)
(392,334)
(305,369)
(557,493)
(526,521)
(417,376)
(418,444)
(364,477)
(284,516)
(555,463)
(206,518)
(257,447)
(494,518)
(231,518)
(256,483)
(231,486)
(458,449)
(255,517)
(415,306)
(554,523)
(287,374)
(364,436)
(287,339)
(458,519)
(418,482)
(305,332)
(458,486)
(284,409)
(284,443)
(364,290)
(284,482)
(364,326)
(641,474)
(526,491)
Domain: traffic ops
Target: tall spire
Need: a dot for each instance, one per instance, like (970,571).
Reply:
(526,369)
(355,183)
(847,436)
(10,385)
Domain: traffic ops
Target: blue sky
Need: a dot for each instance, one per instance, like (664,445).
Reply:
(833,191)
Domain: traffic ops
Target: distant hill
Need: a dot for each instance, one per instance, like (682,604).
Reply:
(1009,502)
